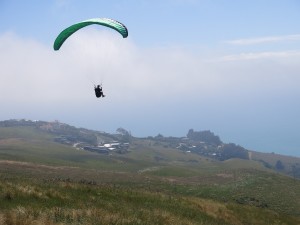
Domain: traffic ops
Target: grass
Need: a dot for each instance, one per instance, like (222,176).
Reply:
(33,201)
(23,133)
(73,195)
(43,182)
(75,203)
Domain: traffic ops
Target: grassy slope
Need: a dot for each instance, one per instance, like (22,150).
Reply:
(31,193)
(31,145)
(272,158)
(49,183)
(38,194)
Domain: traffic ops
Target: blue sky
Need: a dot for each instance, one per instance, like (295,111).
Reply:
(228,66)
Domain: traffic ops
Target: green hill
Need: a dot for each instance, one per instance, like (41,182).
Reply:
(47,177)
(280,163)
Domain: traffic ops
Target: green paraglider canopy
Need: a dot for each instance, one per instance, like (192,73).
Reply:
(119,27)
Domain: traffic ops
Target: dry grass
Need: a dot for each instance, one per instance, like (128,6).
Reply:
(55,216)
(45,191)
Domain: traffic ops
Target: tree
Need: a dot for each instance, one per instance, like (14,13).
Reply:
(125,135)
(231,150)
(279,165)
(204,136)
(124,132)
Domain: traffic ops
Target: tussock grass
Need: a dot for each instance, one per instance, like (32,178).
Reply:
(85,204)
(26,200)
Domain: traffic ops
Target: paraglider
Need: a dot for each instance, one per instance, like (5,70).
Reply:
(119,27)
(110,23)
(98,91)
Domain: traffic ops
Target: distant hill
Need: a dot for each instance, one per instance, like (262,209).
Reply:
(285,164)
(203,143)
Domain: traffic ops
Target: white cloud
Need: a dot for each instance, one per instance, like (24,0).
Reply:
(144,87)
(261,40)
(129,73)
(260,55)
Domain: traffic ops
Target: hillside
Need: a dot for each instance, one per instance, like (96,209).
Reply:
(54,173)
(190,149)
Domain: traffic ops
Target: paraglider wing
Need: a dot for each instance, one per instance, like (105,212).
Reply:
(119,27)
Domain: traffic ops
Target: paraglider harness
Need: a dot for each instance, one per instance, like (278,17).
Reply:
(98,91)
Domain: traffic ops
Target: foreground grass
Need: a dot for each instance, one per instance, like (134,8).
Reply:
(50,197)
(59,202)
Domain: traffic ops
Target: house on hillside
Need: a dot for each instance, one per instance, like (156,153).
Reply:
(107,148)
(101,150)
